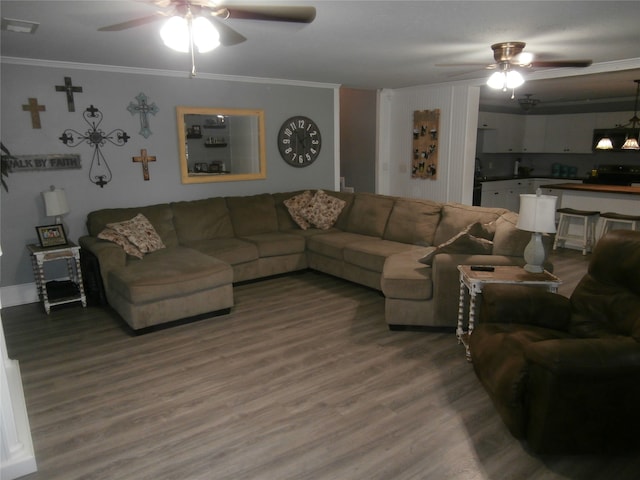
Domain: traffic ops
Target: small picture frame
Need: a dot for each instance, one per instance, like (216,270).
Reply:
(51,235)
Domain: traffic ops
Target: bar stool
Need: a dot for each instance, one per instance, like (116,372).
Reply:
(587,221)
(612,219)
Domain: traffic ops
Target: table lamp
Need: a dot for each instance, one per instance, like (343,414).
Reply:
(537,215)
(55,203)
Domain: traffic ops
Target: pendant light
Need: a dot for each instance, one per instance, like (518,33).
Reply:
(631,142)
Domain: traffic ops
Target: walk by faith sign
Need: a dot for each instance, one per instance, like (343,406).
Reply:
(21,163)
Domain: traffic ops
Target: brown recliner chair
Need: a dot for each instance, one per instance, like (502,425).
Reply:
(564,374)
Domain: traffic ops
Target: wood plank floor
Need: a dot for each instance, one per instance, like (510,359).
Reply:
(302,380)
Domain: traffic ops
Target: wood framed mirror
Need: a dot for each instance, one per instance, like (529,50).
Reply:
(221,144)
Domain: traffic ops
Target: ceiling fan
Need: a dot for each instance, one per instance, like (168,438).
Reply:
(512,54)
(218,13)
(509,57)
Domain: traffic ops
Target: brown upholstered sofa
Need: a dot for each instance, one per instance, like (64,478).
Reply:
(564,374)
(376,241)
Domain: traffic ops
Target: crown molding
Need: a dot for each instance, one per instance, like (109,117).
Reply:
(35,62)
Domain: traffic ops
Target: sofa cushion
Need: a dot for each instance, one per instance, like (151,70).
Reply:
(369,214)
(160,216)
(463,242)
(253,214)
(322,210)
(406,278)
(295,206)
(202,219)
(231,250)
(371,253)
(456,217)
(413,221)
(276,243)
(113,236)
(169,273)
(333,244)
(509,240)
(139,232)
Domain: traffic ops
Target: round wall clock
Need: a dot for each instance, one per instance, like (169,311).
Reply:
(299,141)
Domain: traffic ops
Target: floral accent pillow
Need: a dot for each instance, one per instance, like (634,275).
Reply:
(295,206)
(140,232)
(323,210)
(464,242)
(115,237)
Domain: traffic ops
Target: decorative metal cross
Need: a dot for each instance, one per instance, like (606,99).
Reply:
(69,89)
(35,110)
(145,159)
(144,109)
(99,173)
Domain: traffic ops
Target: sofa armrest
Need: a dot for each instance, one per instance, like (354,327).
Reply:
(524,305)
(110,256)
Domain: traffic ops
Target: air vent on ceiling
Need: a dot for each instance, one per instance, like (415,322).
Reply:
(18,26)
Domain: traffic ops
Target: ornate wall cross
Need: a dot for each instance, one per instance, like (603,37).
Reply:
(69,89)
(144,109)
(35,110)
(99,173)
(144,159)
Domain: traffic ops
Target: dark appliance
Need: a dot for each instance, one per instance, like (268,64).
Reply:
(615,175)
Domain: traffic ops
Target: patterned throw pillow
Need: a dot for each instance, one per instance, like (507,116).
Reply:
(463,242)
(140,232)
(323,210)
(295,206)
(115,237)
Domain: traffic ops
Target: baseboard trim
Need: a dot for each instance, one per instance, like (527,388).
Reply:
(18,294)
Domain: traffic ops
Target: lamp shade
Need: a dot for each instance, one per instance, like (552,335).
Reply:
(604,144)
(537,213)
(55,202)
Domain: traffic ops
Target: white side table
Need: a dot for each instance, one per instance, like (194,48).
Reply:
(69,252)
(474,281)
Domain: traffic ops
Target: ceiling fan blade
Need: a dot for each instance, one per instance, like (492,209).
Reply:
(482,65)
(131,23)
(228,36)
(560,63)
(272,13)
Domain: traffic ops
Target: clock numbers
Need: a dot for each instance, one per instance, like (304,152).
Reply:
(299,141)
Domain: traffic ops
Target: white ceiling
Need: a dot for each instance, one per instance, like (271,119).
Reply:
(366,44)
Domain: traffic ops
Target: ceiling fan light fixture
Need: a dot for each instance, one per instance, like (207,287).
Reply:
(513,79)
(504,80)
(205,36)
(524,58)
(175,34)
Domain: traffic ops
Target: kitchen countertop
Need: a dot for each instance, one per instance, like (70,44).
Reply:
(590,187)
(482,179)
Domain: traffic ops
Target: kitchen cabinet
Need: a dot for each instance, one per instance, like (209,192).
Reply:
(505,193)
(503,132)
(569,133)
(534,133)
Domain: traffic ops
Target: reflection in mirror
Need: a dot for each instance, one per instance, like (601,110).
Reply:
(221,145)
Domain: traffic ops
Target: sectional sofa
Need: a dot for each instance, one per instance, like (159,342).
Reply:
(406,248)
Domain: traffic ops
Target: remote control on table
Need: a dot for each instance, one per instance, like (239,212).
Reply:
(482,268)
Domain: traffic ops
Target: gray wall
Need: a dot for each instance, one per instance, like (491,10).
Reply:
(111,91)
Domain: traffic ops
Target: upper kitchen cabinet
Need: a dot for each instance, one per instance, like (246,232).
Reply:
(569,133)
(509,133)
(534,133)
(503,132)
